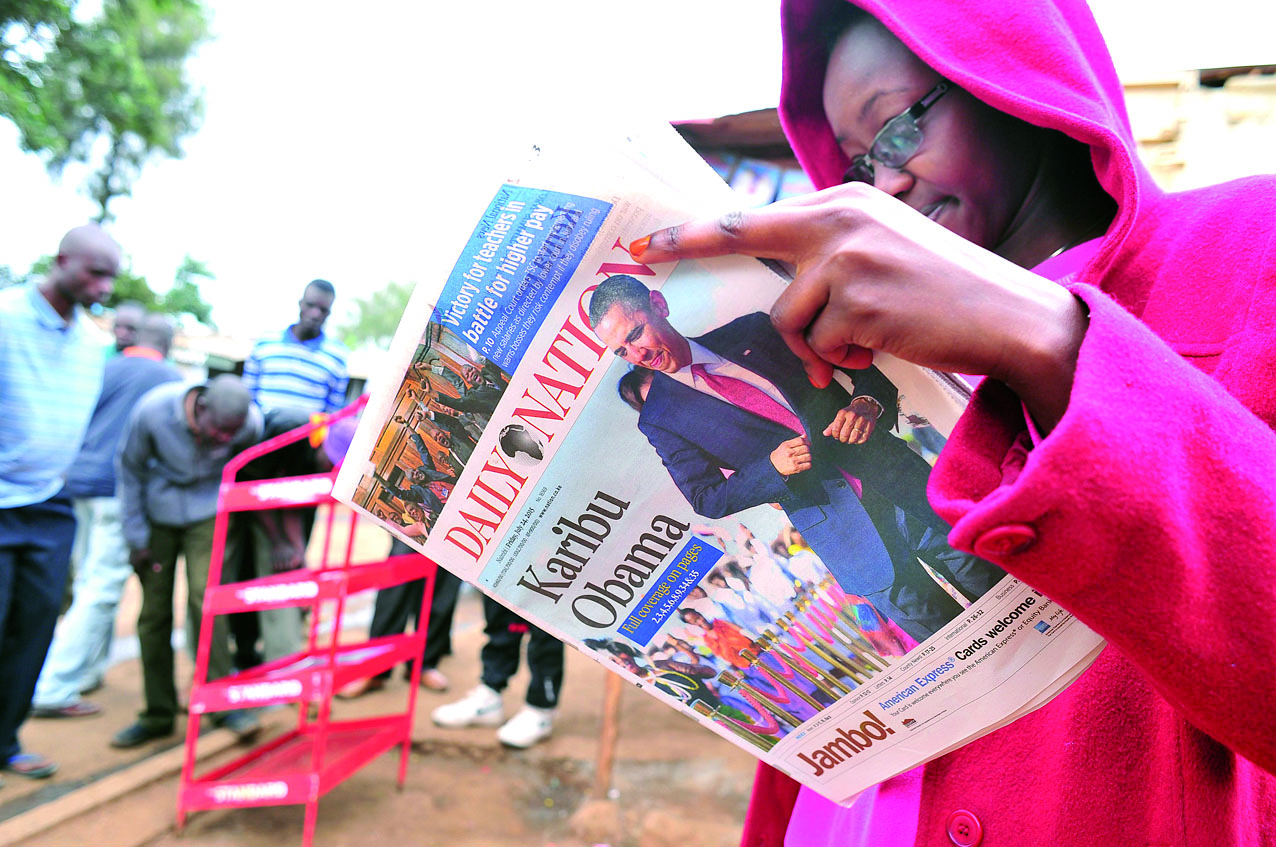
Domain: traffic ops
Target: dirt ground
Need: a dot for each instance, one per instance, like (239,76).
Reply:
(672,782)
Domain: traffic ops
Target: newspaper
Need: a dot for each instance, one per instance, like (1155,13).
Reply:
(658,516)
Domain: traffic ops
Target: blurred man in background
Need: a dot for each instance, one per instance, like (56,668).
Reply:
(296,373)
(301,368)
(398,604)
(129,317)
(50,375)
(274,541)
(484,705)
(179,438)
(77,660)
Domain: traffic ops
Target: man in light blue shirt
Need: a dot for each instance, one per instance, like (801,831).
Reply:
(50,374)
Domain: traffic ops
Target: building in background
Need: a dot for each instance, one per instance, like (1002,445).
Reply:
(1180,122)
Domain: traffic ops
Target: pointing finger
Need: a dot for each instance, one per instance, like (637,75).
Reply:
(772,232)
(784,230)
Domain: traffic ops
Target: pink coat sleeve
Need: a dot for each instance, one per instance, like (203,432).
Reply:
(1149,512)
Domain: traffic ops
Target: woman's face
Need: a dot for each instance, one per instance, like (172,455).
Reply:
(975,166)
(695,618)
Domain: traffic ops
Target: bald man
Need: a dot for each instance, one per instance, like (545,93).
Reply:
(50,374)
(77,659)
(178,439)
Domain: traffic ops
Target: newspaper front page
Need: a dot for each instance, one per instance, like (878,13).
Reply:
(653,482)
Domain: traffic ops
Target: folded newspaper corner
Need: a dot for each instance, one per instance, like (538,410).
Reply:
(816,617)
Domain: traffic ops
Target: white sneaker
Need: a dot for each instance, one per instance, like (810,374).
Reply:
(528,727)
(481,707)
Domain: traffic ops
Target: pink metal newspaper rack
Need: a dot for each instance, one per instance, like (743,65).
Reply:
(303,764)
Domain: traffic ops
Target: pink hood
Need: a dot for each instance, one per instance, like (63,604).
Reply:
(1043,61)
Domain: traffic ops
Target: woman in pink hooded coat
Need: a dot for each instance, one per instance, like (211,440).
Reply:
(1119,456)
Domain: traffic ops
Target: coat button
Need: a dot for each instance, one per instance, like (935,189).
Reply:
(1005,540)
(964,829)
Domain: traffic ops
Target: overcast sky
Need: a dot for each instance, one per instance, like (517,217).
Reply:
(331,142)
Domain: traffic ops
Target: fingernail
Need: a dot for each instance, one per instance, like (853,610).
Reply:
(639,246)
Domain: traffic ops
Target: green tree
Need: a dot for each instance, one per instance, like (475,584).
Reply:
(130,286)
(377,316)
(40,266)
(184,296)
(110,92)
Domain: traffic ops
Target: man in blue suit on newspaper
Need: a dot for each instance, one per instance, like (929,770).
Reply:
(737,399)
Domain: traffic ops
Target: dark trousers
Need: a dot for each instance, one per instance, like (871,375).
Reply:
(915,601)
(245,627)
(924,606)
(888,466)
(35,555)
(282,631)
(500,654)
(194,543)
(398,604)
(895,476)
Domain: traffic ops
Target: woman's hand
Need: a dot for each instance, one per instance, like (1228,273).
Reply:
(873,274)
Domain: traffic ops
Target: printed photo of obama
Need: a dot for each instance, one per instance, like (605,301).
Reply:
(737,424)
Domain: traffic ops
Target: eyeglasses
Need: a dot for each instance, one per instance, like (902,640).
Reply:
(897,141)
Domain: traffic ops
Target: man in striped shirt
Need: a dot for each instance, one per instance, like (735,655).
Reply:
(302,368)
